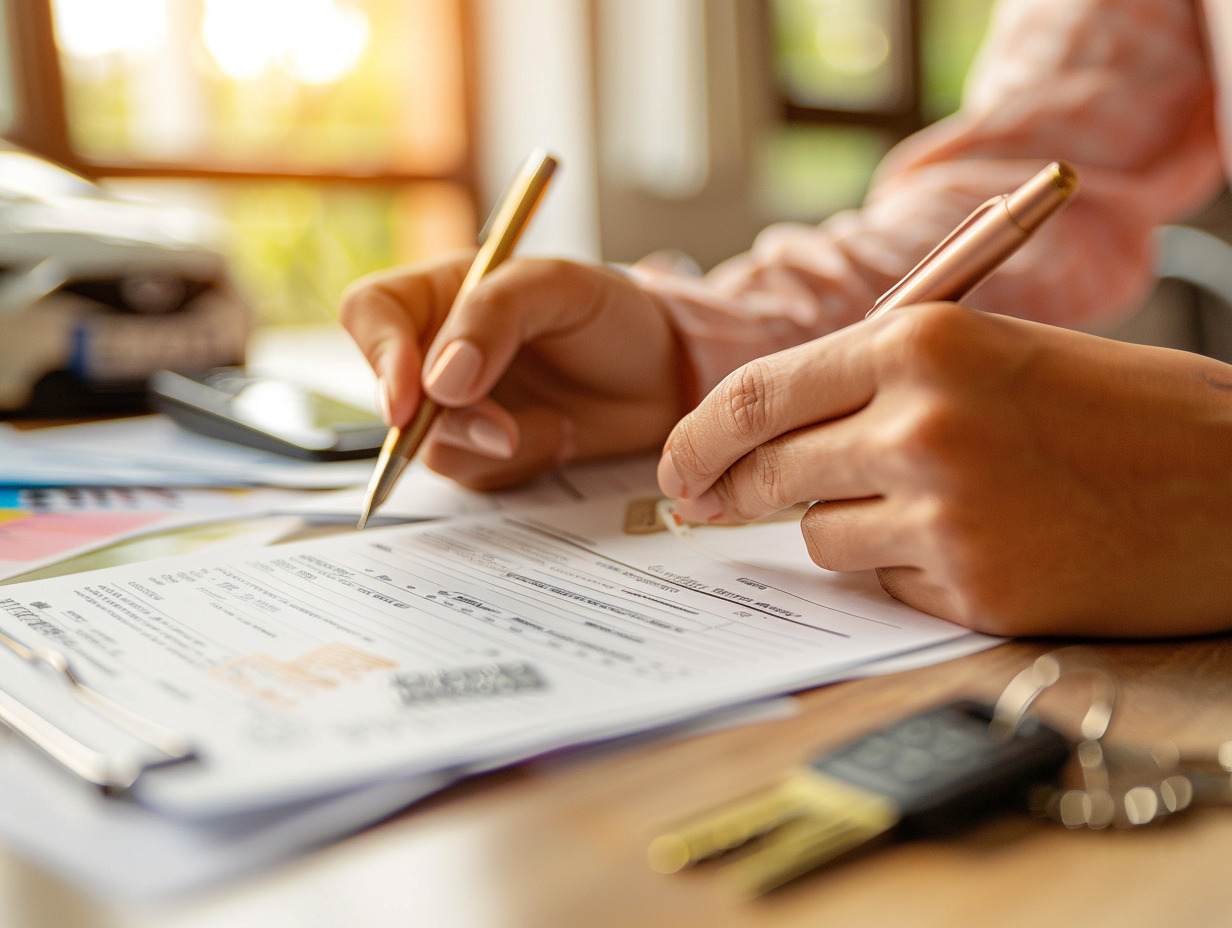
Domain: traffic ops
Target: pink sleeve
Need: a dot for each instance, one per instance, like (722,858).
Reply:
(1118,88)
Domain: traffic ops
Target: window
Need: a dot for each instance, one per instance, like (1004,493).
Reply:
(853,78)
(6,74)
(330,137)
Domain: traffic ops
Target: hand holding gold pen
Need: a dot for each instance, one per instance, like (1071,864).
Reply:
(509,220)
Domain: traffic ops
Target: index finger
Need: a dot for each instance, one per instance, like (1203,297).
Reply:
(824,379)
(578,315)
(392,316)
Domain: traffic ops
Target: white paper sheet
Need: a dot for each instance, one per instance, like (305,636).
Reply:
(120,850)
(423,494)
(312,668)
(45,525)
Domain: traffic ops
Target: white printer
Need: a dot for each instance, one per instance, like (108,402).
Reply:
(98,292)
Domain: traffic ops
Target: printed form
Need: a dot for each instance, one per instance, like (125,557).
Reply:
(305,669)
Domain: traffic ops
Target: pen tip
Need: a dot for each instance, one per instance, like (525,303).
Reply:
(363,520)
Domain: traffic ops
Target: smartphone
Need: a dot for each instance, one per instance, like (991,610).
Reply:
(267,413)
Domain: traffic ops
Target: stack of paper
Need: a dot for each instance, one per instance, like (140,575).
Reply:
(66,491)
(102,454)
(325,683)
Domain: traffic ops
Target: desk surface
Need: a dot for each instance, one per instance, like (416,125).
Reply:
(562,842)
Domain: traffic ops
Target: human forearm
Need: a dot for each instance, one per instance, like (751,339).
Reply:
(1125,97)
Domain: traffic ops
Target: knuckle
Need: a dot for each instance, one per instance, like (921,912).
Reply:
(985,607)
(822,545)
(935,523)
(932,437)
(465,468)
(518,275)
(687,457)
(765,479)
(942,523)
(822,553)
(737,415)
(745,400)
(543,298)
(976,581)
(739,497)
(380,295)
(929,431)
(929,339)
(557,268)
(354,299)
(416,292)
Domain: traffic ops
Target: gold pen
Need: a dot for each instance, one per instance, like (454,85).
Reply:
(984,239)
(508,221)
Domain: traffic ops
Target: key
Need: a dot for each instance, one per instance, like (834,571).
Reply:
(1210,775)
(1117,784)
(1125,785)
(925,774)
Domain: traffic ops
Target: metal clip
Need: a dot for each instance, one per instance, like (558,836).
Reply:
(110,774)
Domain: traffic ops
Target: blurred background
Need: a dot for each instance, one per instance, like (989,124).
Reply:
(335,137)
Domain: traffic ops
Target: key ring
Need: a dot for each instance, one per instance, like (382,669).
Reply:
(1100,802)
(1158,790)
(1093,805)
(1046,671)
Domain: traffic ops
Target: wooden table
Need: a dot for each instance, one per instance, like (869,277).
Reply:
(563,842)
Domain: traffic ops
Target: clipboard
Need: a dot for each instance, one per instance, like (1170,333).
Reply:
(112,773)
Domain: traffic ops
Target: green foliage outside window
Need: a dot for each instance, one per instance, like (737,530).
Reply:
(839,55)
(951,31)
(342,87)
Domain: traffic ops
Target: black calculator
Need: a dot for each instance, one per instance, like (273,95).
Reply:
(267,413)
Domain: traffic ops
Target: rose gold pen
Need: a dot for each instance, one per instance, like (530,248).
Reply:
(984,239)
(508,221)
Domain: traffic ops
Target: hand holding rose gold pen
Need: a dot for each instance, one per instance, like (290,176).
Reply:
(510,218)
(984,239)
(969,254)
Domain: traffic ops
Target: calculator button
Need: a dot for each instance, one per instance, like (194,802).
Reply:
(874,753)
(951,746)
(913,765)
(917,731)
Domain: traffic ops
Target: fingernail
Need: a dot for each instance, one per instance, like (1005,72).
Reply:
(669,481)
(454,372)
(702,509)
(568,443)
(382,402)
(490,439)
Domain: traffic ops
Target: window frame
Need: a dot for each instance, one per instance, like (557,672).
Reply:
(900,120)
(40,118)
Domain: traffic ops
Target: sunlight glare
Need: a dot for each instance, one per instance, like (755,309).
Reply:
(849,42)
(89,29)
(315,41)
(327,44)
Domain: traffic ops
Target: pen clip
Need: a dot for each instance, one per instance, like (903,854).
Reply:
(909,278)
